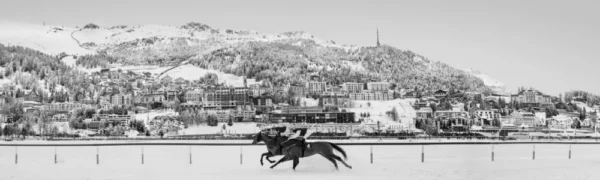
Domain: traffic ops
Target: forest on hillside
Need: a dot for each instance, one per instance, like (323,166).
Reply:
(294,60)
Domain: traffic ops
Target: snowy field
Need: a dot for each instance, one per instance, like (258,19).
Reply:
(223,162)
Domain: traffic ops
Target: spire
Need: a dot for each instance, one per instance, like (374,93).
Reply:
(378,37)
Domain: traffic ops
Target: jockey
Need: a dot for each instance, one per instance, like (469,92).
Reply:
(298,138)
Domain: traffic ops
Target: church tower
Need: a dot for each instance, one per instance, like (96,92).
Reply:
(378,37)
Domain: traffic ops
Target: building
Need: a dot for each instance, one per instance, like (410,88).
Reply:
(121,100)
(33,96)
(524,118)
(425,113)
(151,98)
(486,115)
(310,115)
(169,93)
(60,118)
(315,87)
(263,104)
(114,118)
(351,87)
(378,86)
(335,100)
(453,117)
(532,98)
(372,96)
(194,96)
(258,91)
(229,96)
(64,107)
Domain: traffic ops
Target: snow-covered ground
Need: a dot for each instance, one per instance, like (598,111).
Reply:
(48,39)
(237,128)
(150,115)
(235,162)
(378,109)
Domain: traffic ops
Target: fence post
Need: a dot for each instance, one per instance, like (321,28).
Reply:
(16,155)
(534,152)
(492,152)
(142,154)
(422,153)
(371,154)
(97,155)
(190,154)
(569,151)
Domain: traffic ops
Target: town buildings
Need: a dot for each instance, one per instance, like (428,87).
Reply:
(378,86)
(335,100)
(316,87)
(64,107)
(351,87)
(122,100)
(194,96)
(533,98)
(291,114)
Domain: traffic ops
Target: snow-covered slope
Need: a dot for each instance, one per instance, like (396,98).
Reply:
(56,39)
(48,39)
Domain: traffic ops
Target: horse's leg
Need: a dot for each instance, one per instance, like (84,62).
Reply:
(263,155)
(332,160)
(284,159)
(296,162)
(341,160)
(268,156)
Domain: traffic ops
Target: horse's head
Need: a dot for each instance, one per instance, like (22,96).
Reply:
(257,138)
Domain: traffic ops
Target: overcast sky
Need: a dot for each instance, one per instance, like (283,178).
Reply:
(545,44)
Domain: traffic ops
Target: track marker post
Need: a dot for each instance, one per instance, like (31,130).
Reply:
(97,155)
(241,155)
(422,153)
(534,152)
(16,155)
(55,156)
(492,153)
(142,154)
(371,154)
(570,151)
(190,154)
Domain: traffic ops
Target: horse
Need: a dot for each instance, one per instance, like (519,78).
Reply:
(294,152)
(273,145)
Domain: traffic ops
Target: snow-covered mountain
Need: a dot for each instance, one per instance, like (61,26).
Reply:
(52,39)
(239,52)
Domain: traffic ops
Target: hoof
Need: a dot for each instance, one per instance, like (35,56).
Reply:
(350,167)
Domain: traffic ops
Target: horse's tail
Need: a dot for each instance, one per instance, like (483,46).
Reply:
(338,148)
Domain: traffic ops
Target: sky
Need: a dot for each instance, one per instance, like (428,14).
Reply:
(549,45)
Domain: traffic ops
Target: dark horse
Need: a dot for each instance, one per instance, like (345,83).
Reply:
(294,152)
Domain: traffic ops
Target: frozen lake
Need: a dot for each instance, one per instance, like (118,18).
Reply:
(223,162)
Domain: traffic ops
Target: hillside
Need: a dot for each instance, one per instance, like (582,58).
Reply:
(293,60)
(288,57)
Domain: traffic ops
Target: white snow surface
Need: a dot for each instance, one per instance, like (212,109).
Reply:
(446,162)
(54,39)
(48,39)
(378,109)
